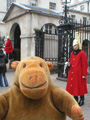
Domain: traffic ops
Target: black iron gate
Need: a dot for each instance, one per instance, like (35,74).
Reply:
(39,44)
(46,46)
(83,28)
(66,36)
(57,47)
(64,46)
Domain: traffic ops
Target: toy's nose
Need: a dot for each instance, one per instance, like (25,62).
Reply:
(33,79)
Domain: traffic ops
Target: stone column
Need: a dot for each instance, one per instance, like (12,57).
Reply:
(27,46)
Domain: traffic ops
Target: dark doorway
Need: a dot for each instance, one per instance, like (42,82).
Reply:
(17,34)
(17,41)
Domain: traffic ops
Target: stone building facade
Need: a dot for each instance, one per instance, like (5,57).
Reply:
(23,19)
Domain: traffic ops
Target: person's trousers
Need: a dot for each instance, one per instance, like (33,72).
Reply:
(81,98)
(5,79)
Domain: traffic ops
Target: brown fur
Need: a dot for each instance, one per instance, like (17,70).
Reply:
(33,96)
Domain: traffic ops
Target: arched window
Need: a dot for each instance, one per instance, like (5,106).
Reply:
(9,2)
(49,28)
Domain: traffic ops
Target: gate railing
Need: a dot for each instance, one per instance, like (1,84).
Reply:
(46,46)
(66,37)
(57,47)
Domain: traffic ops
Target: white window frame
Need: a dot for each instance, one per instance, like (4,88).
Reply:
(33,3)
(49,29)
(73,17)
(52,5)
(84,20)
(82,7)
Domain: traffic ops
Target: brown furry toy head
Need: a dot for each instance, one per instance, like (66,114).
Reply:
(32,76)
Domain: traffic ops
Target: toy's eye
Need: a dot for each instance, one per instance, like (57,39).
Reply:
(40,65)
(24,65)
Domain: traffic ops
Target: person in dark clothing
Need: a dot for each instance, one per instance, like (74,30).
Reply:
(3,61)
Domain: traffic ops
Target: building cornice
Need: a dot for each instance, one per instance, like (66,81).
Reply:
(78,3)
(2,23)
(29,9)
(2,12)
(23,37)
(78,11)
(29,12)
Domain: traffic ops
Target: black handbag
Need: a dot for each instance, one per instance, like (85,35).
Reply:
(2,64)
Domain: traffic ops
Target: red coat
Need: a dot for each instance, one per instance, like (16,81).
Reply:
(76,85)
(8,47)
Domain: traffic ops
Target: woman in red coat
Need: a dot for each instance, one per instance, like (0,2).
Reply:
(76,82)
(8,47)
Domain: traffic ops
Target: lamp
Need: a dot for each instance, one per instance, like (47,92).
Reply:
(65,9)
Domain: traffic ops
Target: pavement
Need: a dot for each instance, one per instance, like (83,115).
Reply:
(86,108)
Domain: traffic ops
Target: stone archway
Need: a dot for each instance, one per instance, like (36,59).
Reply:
(15,38)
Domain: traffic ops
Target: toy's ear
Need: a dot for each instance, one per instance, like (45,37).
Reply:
(50,65)
(14,64)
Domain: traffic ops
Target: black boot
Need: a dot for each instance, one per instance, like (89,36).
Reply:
(81,102)
(76,98)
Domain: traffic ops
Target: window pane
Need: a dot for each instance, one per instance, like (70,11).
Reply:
(50,26)
(82,7)
(52,5)
(33,3)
